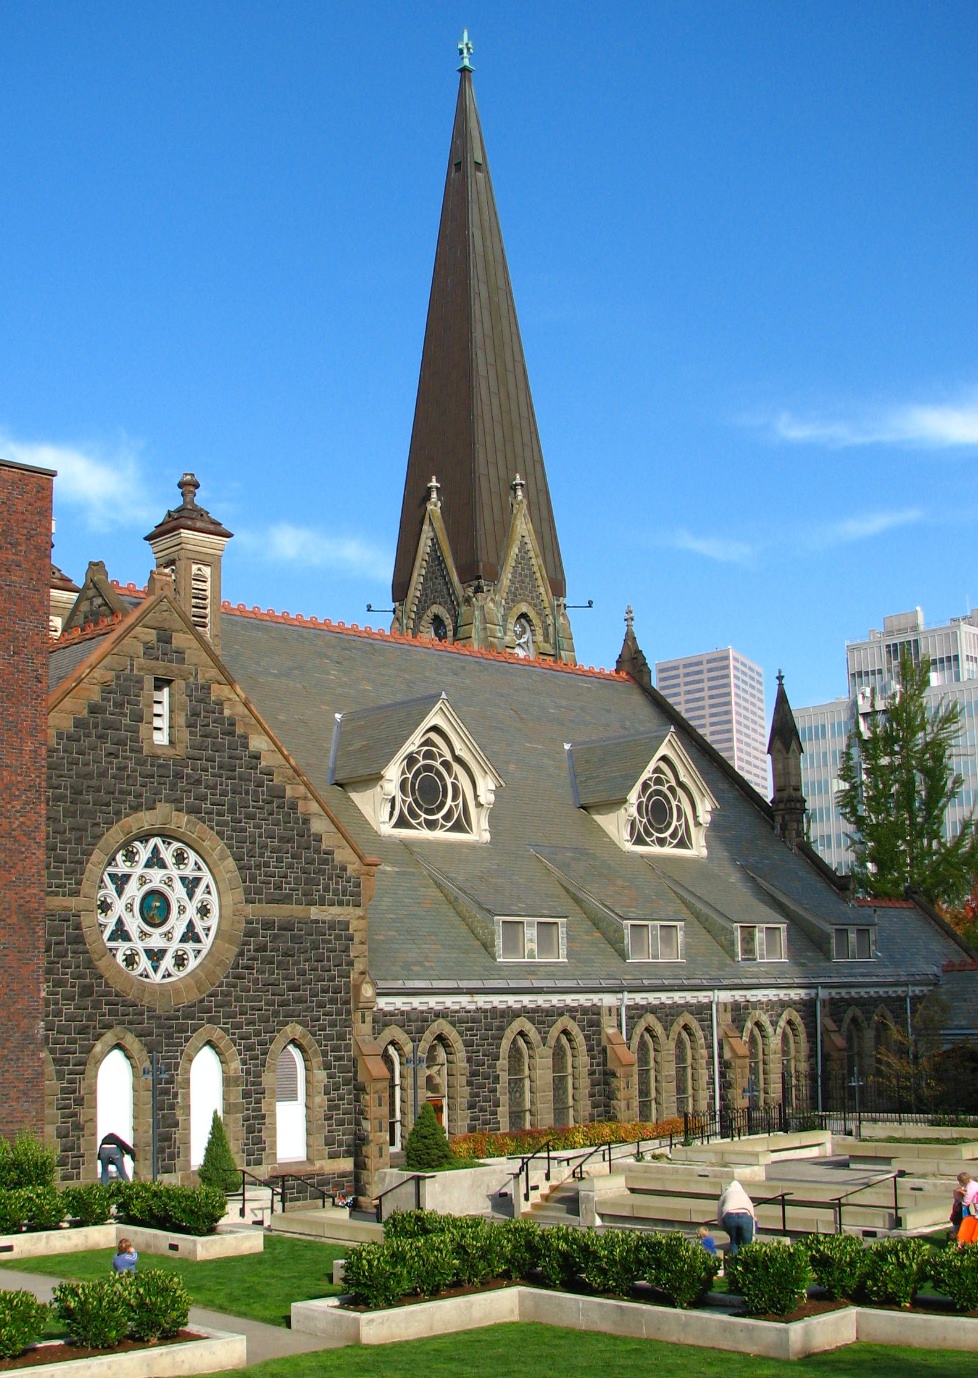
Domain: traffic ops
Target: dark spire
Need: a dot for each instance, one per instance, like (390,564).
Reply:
(784,729)
(631,658)
(474,424)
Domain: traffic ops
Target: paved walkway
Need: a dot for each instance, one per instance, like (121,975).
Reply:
(264,1341)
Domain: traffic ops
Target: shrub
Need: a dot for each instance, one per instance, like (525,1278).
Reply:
(31,1208)
(771,1277)
(520,1248)
(839,1263)
(95,1314)
(90,1204)
(427,1144)
(11,1212)
(954,1273)
(557,1248)
(22,1319)
(607,1262)
(480,1251)
(26,1163)
(378,1274)
(520,1141)
(673,1265)
(158,1303)
(431,1264)
(191,1210)
(415,1224)
(894,1270)
(218,1168)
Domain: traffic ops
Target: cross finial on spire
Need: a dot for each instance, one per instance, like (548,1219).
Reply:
(465,51)
(517,487)
(780,679)
(434,492)
(629,618)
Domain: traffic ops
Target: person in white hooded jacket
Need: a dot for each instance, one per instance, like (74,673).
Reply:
(735,1214)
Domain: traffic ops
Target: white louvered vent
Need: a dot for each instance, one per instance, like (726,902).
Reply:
(200,598)
(161,712)
(287,1077)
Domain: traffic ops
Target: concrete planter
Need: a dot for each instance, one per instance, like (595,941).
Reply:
(704,1329)
(224,1244)
(465,1191)
(215,1350)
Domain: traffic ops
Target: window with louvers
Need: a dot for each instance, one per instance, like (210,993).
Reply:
(200,598)
(161,712)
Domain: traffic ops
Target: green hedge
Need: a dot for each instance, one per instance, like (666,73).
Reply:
(895,1269)
(772,1277)
(425,1253)
(90,1204)
(31,1208)
(954,1273)
(839,1263)
(101,1313)
(22,1319)
(25,1162)
(159,1206)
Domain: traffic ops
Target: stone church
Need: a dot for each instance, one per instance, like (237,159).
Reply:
(313,875)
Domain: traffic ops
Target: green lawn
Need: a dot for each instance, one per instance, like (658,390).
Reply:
(261,1286)
(539,1351)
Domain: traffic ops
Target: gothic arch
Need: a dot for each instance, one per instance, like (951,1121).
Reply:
(691,1095)
(142,1113)
(791,1044)
(537,629)
(539,1071)
(858,1037)
(426,626)
(580,1066)
(886,1042)
(402,1110)
(762,1058)
(456,1073)
(233,1093)
(649,1043)
(315,1094)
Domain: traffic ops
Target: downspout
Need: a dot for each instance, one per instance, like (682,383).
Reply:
(818,1045)
(714,999)
(624,1023)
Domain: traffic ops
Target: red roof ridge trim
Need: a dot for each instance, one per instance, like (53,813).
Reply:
(131,590)
(967,964)
(76,634)
(868,903)
(378,634)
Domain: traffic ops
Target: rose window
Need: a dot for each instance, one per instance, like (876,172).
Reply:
(661,814)
(430,794)
(157,908)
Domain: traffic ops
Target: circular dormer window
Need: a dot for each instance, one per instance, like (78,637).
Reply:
(430,794)
(158,908)
(661,813)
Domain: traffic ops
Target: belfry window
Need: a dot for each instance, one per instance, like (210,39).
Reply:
(200,598)
(433,791)
(662,812)
(161,712)
(523,637)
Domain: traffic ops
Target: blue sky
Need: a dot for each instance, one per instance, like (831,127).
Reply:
(743,246)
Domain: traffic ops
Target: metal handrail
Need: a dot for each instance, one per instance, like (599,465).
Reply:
(261,1182)
(285,1177)
(839,1201)
(781,1196)
(607,1147)
(525,1167)
(417,1178)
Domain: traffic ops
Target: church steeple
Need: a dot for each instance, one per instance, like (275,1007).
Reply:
(475,432)
(785,750)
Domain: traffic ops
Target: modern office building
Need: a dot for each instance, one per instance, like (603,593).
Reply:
(722,694)
(871,664)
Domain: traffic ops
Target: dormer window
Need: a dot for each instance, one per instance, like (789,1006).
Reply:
(663,810)
(655,942)
(531,940)
(854,945)
(434,791)
(762,942)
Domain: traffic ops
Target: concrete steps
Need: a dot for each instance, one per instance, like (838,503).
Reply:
(330,1224)
(257,1207)
(561,1207)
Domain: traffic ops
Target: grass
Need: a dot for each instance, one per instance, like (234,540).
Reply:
(539,1351)
(260,1286)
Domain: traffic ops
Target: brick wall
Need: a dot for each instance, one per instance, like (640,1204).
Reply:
(25,576)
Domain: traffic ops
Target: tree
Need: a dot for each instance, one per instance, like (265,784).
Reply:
(427,1144)
(219,1168)
(898,780)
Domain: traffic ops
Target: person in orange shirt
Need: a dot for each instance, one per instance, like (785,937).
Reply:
(967,1190)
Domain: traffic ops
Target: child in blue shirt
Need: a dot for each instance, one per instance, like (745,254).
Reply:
(126,1258)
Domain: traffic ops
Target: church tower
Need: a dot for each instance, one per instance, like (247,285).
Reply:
(477,560)
(784,748)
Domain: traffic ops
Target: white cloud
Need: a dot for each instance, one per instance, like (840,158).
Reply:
(861,528)
(300,545)
(916,426)
(107,486)
(718,548)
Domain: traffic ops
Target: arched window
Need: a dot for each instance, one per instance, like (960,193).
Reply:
(649,1094)
(434,790)
(563,1075)
(439,628)
(755,1088)
(206,1096)
(854,1059)
(114,1097)
(684,1073)
(290,1105)
(518,1083)
(789,1070)
(663,812)
(523,637)
(392,1057)
(436,1082)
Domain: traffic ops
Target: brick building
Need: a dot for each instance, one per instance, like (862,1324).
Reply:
(314,876)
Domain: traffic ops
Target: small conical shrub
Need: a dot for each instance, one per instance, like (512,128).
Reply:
(219,1168)
(427,1144)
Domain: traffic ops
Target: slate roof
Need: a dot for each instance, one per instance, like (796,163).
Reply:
(604,772)
(474,423)
(435,899)
(366,741)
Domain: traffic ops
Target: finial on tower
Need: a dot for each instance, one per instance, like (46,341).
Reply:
(629,618)
(188,486)
(518,488)
(465,51)
(434,492)
(780,679)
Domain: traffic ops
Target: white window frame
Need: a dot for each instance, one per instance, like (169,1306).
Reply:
(530,935)
(760,931)
(616,817)
(161,711)
(655,941)
(852,932)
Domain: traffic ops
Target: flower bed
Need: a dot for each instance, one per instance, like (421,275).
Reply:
(157,1205)
(191,1351)
(517,1142)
